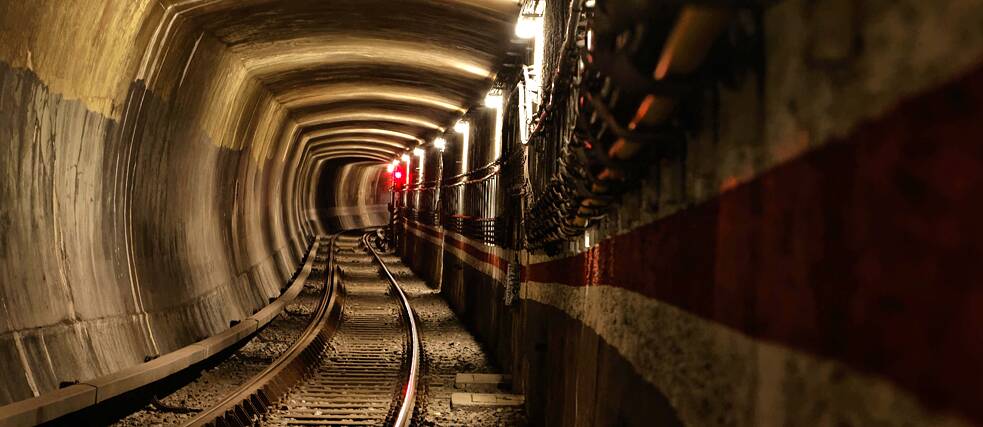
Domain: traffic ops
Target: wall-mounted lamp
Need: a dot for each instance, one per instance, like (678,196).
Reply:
(405,157)
(528,27)
(493,99)
(461,126)
(418,152)
(530,22)
(440,143)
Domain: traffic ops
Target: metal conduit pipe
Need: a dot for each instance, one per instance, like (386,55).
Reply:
(690,40)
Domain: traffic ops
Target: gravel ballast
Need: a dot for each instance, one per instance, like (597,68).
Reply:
(215,383)
(448,349)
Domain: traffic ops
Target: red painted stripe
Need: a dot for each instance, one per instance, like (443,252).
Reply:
(459,243)
(482,256)
(868,250)
(437,234)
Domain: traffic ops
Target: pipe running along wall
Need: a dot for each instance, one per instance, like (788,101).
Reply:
(798,241)
(160,160)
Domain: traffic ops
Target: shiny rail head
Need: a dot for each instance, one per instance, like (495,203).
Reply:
(405,413)
(270,384)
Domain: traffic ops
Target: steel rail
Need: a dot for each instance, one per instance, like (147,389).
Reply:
(256,396)
(405,413)
(74,401)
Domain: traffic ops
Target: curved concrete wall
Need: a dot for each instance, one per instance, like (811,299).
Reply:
(350,195)
(136,203)
(158,157)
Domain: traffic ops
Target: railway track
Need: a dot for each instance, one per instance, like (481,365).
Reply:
(356,365)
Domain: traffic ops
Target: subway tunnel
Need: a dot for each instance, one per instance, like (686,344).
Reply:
(631,212)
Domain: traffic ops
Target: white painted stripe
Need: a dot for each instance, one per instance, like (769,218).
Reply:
(679,352)
(493,272)
(481,265)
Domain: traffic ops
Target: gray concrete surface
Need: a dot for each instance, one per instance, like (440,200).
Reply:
(157,158)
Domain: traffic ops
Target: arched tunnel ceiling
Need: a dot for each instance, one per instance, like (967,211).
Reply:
(404,94)
(364,75)
(401,134)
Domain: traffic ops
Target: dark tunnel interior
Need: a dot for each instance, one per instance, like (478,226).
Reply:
(639,212)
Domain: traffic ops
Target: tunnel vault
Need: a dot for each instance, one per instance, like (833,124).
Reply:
(160,156)
(695,212)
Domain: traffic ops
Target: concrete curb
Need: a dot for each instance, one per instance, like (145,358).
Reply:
(49,406)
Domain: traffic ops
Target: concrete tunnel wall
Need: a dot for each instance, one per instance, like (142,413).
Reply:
(809,260)
(351,195)
(158,157)
(158,183)
(141,208)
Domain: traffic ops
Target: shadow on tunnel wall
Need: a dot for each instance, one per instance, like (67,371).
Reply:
(157,158)
(808,257)
(135,218)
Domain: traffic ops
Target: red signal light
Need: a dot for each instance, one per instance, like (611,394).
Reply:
(399,174)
